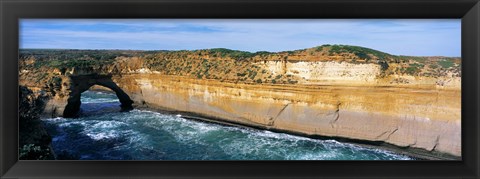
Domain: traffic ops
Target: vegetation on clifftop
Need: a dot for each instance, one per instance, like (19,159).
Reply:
(229,65)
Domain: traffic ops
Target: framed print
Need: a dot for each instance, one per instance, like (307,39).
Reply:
(218,88)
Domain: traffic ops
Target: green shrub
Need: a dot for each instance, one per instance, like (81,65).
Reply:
(411,70)
(433,66)
(417,65)
(262,53)
(361,52)
(446,63)
(241,74)
(384,65)
(235,54)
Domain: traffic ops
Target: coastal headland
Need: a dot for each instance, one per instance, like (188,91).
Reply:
(338,91)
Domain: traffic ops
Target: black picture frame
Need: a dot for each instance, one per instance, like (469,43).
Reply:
(12,10)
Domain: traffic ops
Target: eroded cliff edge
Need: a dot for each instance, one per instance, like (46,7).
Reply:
(410,102)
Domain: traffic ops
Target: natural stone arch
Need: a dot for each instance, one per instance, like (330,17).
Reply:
(82,83)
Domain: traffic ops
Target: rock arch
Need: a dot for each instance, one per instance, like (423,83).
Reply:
(80,84)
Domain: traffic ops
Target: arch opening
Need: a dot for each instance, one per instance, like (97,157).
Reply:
(98,100)
(83,83)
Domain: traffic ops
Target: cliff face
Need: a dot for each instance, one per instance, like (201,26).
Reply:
(408,117)
(333,91)
(317,72)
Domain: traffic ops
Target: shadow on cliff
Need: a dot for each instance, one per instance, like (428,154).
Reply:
(82,83)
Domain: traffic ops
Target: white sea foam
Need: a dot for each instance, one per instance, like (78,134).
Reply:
(102,135)
(108,124)
(57,119)
(91,101)
(324,155)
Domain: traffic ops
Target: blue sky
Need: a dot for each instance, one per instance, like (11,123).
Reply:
(419,37)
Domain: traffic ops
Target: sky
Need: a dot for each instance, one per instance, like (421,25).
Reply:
(416,37)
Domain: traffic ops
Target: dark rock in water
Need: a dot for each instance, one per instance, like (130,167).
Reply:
(34,141)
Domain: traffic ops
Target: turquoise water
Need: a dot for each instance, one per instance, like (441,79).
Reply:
(103,133)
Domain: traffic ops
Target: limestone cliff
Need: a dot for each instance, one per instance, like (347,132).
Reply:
(337,91)
(404,116)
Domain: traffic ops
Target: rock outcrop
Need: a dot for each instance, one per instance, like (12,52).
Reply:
(81,83)
(63,95)
(34,141)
